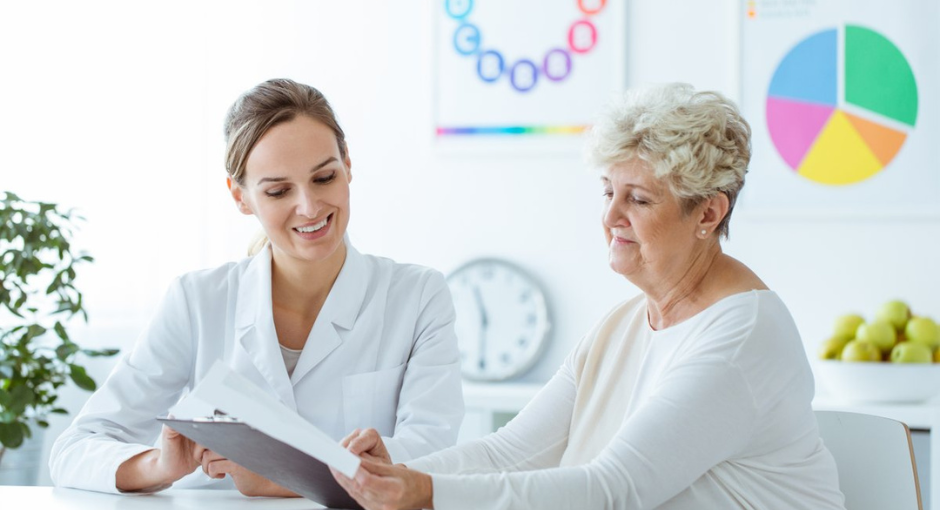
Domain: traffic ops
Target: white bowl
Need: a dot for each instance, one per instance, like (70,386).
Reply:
(878,382)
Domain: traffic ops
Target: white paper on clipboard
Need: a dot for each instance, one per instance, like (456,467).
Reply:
(225,390)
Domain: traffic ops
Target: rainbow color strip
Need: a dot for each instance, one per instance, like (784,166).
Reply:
(510,130)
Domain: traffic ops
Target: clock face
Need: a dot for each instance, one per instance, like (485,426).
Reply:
(502,319)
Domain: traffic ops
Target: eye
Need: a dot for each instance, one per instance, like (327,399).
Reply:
(276,193)
(639,200)
(608,193)
(326,178)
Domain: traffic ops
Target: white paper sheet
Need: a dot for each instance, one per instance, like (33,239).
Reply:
(229,392)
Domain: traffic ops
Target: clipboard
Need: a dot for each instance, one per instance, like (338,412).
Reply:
(254,430)
(268,457)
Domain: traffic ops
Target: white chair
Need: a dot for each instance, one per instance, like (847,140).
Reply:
(875,460)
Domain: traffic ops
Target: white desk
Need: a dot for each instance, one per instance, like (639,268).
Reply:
(42,498)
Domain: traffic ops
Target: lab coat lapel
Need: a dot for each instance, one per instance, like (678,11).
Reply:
(339,313)
(254,327)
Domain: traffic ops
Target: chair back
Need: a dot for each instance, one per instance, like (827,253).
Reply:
(875,459)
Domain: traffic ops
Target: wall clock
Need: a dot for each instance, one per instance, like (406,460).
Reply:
(502,319)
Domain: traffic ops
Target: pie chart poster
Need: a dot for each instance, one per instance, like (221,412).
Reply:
(842,100)
(513,70)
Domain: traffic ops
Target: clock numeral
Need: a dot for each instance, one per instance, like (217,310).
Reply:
(486,273)
(531,319)
(523,341)
(506,358)
(525,296)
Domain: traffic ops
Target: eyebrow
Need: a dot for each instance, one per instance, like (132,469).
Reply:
(325,162)
(605,180)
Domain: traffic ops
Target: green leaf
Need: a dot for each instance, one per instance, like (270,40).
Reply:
(81,379)
(60,331)
(100,352)
(5,399)
(65,350)
(59,410)
(33,331)
(42,423)
(11,435)
(20,398)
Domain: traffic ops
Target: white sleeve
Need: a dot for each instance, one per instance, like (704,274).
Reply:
(701,414)
(534,439)
(118,420)
(430,403)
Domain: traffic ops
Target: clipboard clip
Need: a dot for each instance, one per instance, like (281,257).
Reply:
(217,416)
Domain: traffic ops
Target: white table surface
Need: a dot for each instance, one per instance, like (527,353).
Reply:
(42,498)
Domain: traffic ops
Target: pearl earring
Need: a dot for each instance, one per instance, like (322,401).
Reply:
(704,232)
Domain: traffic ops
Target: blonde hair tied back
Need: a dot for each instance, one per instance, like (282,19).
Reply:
(269,104)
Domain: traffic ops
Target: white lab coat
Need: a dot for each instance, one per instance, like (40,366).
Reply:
(382,354)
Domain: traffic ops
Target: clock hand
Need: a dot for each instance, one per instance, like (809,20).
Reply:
(484,323)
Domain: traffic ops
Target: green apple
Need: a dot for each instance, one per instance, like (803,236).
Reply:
(857,350)
(895,313)
(832,348)
(847,325)
(880,334)
(910,352)
(924,331)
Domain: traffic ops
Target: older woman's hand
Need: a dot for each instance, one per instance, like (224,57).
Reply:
(383,487)
(368,445)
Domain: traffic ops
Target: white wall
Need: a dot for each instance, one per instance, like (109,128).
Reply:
(118,110)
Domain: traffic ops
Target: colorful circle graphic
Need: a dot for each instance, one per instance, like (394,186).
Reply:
(523,74)
(834,138)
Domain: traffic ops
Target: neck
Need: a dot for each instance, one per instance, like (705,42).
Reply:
(302,286)
(671,300)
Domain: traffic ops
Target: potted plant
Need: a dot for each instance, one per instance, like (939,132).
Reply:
(37,298)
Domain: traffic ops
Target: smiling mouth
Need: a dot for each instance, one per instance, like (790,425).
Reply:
(309,229)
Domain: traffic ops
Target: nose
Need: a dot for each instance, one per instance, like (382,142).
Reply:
(613,216)
(308,204)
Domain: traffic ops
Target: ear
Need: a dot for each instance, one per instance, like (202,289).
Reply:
(237,194)
(348,163)
(713,211)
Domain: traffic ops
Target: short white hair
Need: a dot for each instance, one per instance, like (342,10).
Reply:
(697,142)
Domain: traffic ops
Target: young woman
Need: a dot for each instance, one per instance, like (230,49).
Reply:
(347,340)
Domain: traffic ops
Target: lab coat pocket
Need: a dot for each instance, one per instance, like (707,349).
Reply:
(371,399)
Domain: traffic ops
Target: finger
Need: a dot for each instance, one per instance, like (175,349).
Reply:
(348,438)
(207,457)
(360,444)
(377,468)
(220,468)
(378,488)
(365,441)
(169,433)
(351,488)
(198,451)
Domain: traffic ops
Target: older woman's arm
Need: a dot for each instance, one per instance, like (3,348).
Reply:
(702,414)
(534,439)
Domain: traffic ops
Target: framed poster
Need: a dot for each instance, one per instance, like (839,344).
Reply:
(841,97)
(524,73)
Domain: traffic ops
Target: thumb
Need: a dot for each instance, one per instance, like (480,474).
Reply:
(376,468)
(169,433)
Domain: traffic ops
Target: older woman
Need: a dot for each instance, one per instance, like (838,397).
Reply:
(693,395)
